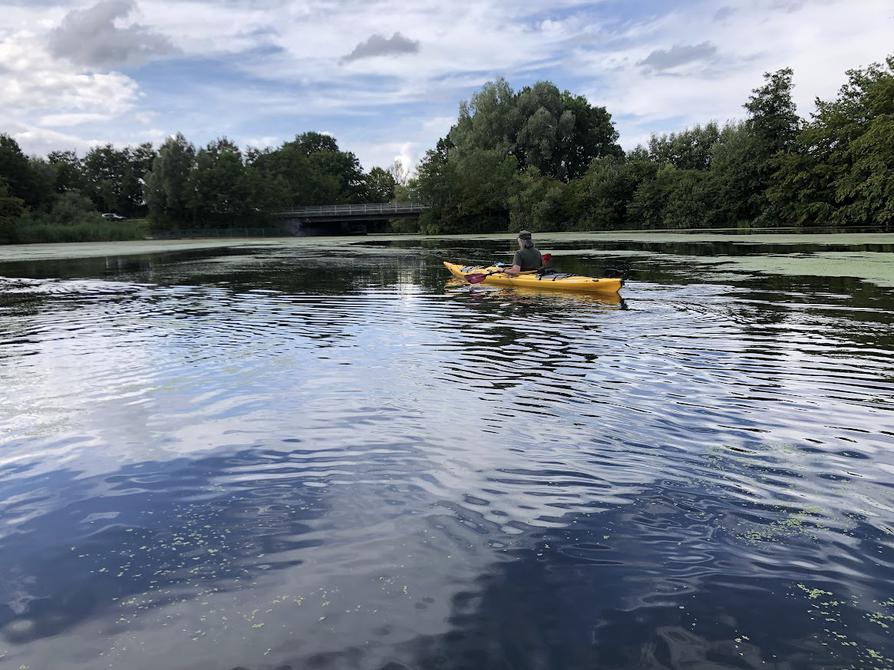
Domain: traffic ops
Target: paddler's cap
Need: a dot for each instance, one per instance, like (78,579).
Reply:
(524,235)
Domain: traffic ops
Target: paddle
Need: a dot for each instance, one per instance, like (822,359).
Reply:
(479,277)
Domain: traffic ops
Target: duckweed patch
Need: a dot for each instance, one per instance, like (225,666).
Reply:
(835,615)
(874,267)
(794,524)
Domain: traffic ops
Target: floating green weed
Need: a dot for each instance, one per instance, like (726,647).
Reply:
(826,608)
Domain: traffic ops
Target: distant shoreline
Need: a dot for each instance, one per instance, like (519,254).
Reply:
(62,250)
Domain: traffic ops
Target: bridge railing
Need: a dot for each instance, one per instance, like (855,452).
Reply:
(355,210)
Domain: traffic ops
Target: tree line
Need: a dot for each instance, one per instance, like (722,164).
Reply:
(179,186)
(538,158)
(545,160)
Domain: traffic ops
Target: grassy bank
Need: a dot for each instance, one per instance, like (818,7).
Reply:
(93,231)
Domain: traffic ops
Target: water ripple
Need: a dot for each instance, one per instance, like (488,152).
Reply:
(247,458)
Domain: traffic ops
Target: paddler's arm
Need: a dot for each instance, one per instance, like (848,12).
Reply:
(515,268)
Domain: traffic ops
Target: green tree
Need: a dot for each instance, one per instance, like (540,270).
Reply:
(554,131)
(11,210)
(469,192)
(168,183)
(600,199)
(772,112)
(68,209)
(133,199)
(673,199)
(22,179)
(114,178)
(841,170)
(544,133)
(434,184)
(745,156)
(42,178)
(380,185)
(268,191)
(539,203)
(218,188)
(68,171)
(311,170)
(541,124)
(593,135)
(313,142)
(105,171)
(690,149)
(739,174)
(488,120)
(485,180)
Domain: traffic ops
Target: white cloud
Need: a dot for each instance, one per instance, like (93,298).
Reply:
(42,96)
(439,124)
(74,119)
(383,154)
(819,41)
(94,37)
(662,60)
(32,80)
(661,72)
(261,142)
(41,141)
(379,45)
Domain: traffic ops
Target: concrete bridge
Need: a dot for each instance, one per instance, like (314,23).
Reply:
(345,219)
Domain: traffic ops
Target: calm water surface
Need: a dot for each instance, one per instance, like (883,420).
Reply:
(334,458)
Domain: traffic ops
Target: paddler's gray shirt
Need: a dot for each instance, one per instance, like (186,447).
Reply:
(528,259)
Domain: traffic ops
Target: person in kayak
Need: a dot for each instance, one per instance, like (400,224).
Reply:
(527,257)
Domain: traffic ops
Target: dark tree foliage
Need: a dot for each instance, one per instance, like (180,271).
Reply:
(538,158)
(841,168)
(771,169)
(739,171)
(556,132)
(310,170)
(105,174)
(600,200)
(11,209)
(24,179)
(690,149)
(548,137)
(469,191)
(68,209)
(673,199)
(218,188)
(380,185)
(181,187)
(68,171)
(113,178)
(773,116)
(168,183)
(593,136)
(539,204)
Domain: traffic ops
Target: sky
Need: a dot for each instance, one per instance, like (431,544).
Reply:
(386,78)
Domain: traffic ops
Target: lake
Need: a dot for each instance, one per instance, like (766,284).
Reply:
(324,453)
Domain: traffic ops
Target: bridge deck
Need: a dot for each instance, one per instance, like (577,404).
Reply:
(366,210)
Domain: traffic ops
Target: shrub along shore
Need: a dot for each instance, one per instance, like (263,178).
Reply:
(538,158)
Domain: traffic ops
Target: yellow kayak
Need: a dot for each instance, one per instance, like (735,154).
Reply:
(558,281)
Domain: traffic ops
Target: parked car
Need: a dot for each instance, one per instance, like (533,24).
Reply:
(113,217)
